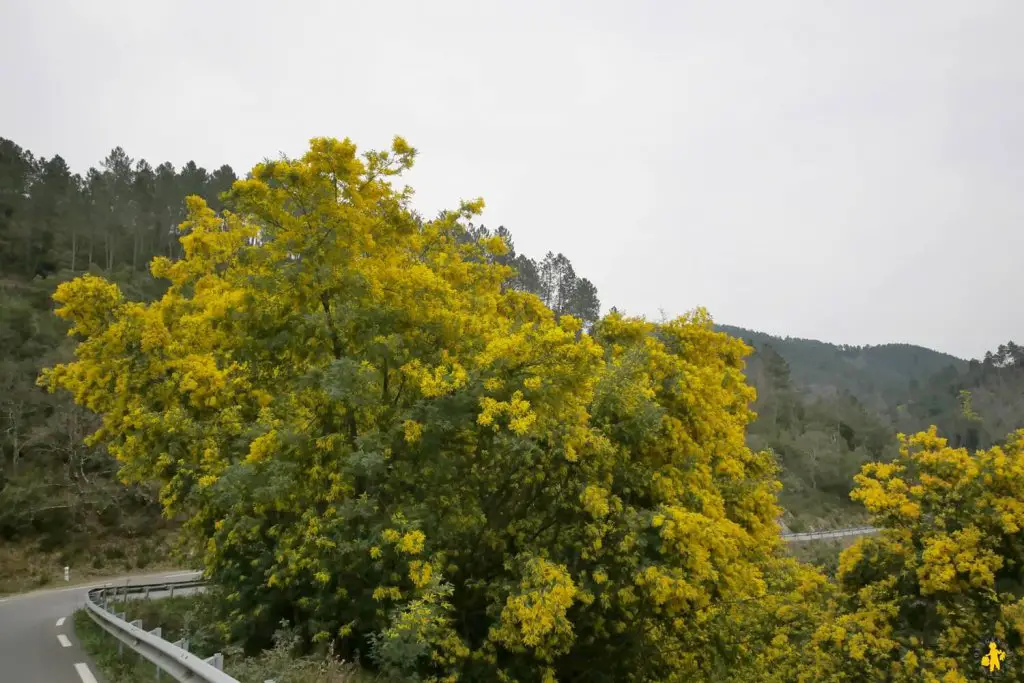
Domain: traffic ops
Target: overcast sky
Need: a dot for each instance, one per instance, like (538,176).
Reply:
(851,171)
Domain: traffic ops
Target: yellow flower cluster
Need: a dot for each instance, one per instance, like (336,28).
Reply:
(535,616)
(949,549)
(516,409)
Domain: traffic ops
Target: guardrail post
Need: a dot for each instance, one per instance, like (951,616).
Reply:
(183,644)
(216,661)
(172,590)
(120,645)
(158,632)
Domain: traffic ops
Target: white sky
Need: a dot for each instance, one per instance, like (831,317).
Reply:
(847,170)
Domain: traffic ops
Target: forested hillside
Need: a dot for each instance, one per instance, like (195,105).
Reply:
(56,224)
(826,409)
(879,376)
(57,493)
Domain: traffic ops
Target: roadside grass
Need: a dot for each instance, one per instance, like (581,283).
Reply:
(101,647)
(191,617)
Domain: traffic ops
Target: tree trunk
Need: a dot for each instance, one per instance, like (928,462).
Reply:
(814,469)
(110,251)
(14,414)
(30,262)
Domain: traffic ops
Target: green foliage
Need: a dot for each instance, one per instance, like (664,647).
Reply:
(943,576)
(400,439)
(823,555)
(281,665)
(192,617)
(110,221)
(54,490)
(377,440)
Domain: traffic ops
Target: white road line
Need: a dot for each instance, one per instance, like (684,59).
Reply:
(60,622)
(83,672)
(179,575)
(63,640)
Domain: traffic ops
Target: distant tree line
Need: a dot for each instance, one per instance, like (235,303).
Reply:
(553,278)
(126,211)
(1007,355)
(118,215)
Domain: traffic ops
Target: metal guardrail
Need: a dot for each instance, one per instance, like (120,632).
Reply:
(172,658)
(833,533)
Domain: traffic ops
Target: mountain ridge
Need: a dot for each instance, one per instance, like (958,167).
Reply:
(826,409)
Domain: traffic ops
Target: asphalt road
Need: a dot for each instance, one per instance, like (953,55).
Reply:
(37,640)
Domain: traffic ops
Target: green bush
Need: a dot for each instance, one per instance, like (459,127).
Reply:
(282,666)
(113,552)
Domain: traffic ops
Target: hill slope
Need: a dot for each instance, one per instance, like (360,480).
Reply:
(876,375)
(826,409)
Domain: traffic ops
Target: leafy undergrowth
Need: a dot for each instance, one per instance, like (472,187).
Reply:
(27,566)
(811,510)
(191,617)
(823,554)
(280,666)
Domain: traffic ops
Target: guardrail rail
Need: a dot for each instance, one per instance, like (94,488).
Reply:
(171,658)
(832,533)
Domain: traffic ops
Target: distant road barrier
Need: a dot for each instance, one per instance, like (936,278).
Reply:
(171,658)
(833,533)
